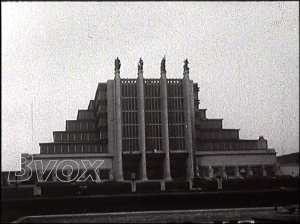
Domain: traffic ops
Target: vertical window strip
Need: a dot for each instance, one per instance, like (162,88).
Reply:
(173,90)
(128,132)
(182,139)
(130,138)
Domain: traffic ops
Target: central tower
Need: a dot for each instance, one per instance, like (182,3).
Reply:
(152,126)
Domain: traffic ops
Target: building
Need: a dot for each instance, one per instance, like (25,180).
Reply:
(147,130)
(9,176)
(289,164)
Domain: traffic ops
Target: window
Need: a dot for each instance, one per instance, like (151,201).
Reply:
(43,149)
(64,137)
(269,170)
(103,148)
(78,136)
(215,146)
(71,148)
(64,149)
(221,145)
(86,148)
(243,170)
(51,149)
(84,125)
(229,171)
(85,136)
(256,170)
(92,136)
(233,145)
(93,148)
(227,146)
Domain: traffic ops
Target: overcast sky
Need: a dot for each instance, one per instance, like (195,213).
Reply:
(243,55)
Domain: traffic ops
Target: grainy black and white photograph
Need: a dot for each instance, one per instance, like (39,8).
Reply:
(150,112)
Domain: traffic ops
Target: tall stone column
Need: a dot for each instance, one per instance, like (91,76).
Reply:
(249,171)
(98,178)
(188,99)
(54,175)
(263,170)
(276,168)
(110,174)
(210,172)
(224,174)
(164,123)
(141,122)
(118,126)
(82,175)
(236,171)
(69,173)
(27,174)
(40,176)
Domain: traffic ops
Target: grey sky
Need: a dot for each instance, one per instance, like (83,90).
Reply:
(243,55)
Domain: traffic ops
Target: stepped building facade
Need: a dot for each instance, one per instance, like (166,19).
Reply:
(145,130)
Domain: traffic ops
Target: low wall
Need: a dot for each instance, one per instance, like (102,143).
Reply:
(194,216)
(13,209)
(17,191)
(112,188)
(247,184)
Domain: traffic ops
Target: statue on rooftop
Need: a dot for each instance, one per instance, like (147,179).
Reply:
(185,66)
(163,65)
(117,64)
(140,65)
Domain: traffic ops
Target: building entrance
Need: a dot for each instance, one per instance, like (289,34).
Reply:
(155,167)
(131,167)
(178,165)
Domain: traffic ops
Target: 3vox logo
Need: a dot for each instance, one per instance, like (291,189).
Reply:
(66,167)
